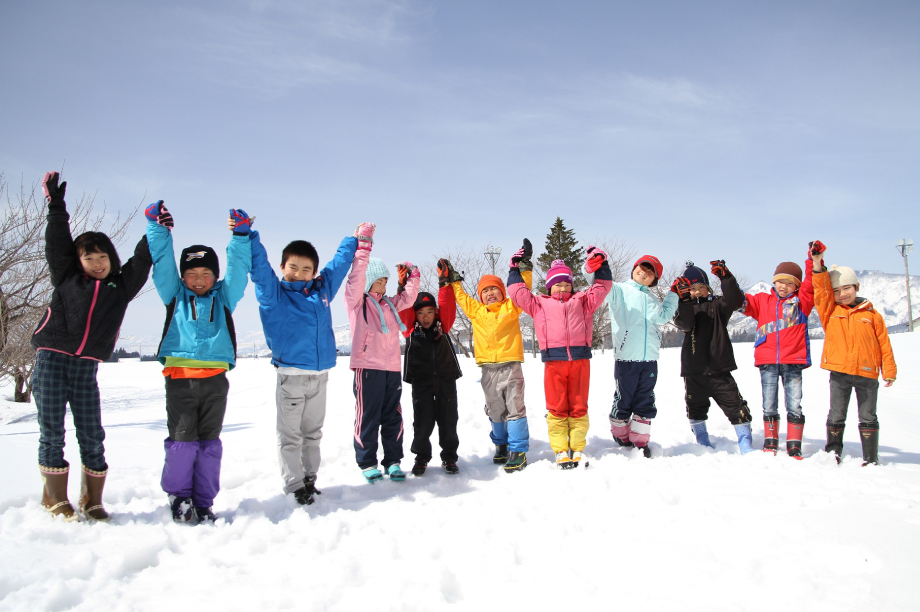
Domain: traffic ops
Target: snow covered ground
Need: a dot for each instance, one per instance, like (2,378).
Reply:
(690,529)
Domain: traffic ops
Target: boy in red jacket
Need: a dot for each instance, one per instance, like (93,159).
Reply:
(782,350)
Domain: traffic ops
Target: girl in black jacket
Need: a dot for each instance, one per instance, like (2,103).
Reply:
(91,294)
(707,358)
(431,367)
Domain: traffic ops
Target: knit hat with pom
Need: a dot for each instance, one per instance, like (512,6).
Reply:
(841,276)
(695,275)
(558,273)
(788,271)
(376,269)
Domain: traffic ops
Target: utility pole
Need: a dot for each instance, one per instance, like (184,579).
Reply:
(492,253)
(905,247)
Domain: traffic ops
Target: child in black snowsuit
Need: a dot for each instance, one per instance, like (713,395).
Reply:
(707,358)
(431,367)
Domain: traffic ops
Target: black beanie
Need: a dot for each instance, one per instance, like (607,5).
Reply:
(199,256)
(424,299)
(695,275)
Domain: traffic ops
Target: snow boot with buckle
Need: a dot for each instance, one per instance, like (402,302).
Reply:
(835,440)
(54,494)
(91,485)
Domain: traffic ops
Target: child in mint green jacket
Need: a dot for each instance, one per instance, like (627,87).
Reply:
(635,317)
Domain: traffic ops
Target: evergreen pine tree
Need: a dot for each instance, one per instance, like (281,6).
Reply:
(561,244)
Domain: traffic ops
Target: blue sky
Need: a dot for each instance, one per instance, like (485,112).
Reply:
(687,129)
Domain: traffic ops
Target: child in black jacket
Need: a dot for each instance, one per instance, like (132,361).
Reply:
(707,358)
(91,294)
(431,367)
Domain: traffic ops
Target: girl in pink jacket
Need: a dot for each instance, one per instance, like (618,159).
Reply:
(375,355)
(564,324)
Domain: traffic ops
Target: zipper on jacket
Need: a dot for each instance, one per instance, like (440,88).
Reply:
(89,318)
(194,308)
(645,344)
(776,318)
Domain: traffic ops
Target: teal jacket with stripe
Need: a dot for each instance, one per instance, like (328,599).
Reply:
(635,317)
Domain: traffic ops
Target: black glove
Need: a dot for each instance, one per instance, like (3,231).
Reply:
(53,192)
(719,269)
(521,257)
(447,274)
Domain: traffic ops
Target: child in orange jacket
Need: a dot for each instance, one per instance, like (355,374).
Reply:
(856,350)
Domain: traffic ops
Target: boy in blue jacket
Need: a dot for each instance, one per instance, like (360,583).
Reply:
(197,349)
(297,322)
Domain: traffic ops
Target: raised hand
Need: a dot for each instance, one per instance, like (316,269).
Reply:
(521,257)
(816,248)
(406,270)
(719,268)
(446,273)
(51,189)
(596,258)
(365,235)
(241,221)
(158,213)
(681,286)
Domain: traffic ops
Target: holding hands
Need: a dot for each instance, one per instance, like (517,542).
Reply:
(681,286)
(719,268)
(365,235)
(159,214)
(447,274)
(406,270)
(239,222)
(521,257)
(53,192)
(596,258)
(816,250)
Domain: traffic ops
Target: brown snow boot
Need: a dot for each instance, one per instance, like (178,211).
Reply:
(91,486)
(54,494)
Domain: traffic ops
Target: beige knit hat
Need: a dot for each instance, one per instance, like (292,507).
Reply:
(841,276)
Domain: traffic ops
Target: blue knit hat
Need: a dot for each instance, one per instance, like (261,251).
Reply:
(375,269)
(695,275)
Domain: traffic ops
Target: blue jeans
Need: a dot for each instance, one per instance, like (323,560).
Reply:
(791,373)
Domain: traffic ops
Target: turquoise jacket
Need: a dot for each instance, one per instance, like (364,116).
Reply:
(198,327)
(635,317)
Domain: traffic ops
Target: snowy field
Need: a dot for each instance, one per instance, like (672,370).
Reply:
(690,529)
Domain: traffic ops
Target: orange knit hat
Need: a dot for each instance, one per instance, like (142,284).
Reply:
(490,280)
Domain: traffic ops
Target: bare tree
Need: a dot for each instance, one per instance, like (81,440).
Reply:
(25,285)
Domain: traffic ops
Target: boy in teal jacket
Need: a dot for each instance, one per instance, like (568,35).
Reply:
(197,349)
(297,322)
(635,315)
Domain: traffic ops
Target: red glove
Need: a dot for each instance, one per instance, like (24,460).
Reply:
(596,258)
(816,248)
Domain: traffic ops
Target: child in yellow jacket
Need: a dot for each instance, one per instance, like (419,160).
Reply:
(856,351)
(499,351)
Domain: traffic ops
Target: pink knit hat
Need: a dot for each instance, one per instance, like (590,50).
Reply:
(558,273)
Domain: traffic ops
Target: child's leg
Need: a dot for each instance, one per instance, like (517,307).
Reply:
(624,372)
(556,390)
(495,403)
(87,413)
(212,406)
(841,389)
(769,383)
(391,421)
(50,388)
(579,383)
(424,394)
(511,387)
(725,392)
(696,398)
(644,409)
(181,446)
(290,405)
(866,400)
(369,388)
(447,415)
(795,420)
(314,416)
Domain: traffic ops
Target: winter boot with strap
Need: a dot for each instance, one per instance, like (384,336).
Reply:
(91,485)
(794,428)
(699,431)
(743,431)
(868,434)
(770,434)
(835,440)
(54,494)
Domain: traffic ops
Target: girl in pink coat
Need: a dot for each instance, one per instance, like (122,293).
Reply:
(564,324)
(375,355)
